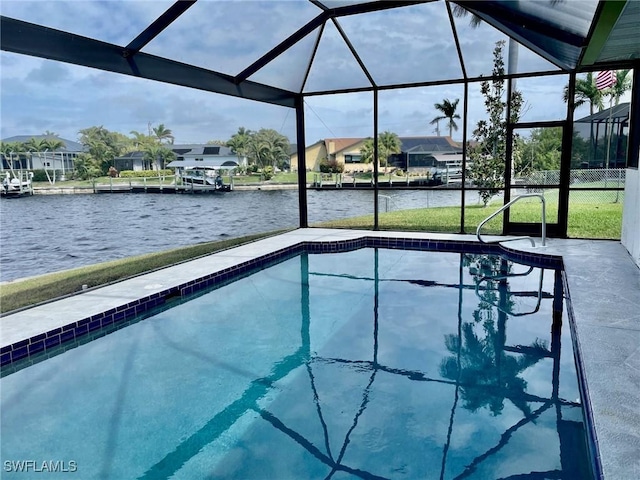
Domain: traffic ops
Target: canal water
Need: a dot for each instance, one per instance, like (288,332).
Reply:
(48,233)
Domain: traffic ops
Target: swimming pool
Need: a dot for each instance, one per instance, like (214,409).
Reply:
(372,363)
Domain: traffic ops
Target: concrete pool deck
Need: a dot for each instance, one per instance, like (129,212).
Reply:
(604,287)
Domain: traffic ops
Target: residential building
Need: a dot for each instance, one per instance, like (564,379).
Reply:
(418,153)
(209,155)
(61,159)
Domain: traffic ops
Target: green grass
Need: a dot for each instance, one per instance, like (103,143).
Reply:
(586,220)
(31,291)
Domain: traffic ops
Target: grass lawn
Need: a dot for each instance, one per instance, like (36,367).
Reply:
(586,220)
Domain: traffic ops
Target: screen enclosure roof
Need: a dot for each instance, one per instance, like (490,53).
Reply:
(278,51)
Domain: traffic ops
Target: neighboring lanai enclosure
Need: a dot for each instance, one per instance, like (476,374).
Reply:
(384,58)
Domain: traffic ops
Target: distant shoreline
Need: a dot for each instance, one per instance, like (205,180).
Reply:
(90,190)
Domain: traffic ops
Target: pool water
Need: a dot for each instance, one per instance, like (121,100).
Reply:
(370,364)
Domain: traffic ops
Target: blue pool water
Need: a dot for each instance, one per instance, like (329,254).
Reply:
(370,364)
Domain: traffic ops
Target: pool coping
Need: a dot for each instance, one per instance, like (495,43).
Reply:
(19,343)
(617,429)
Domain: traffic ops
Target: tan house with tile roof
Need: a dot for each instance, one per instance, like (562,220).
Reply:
(344,150)
(418,153)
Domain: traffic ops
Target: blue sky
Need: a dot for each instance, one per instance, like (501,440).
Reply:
(39,95)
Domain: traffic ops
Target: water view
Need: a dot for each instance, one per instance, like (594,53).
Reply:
(48,233)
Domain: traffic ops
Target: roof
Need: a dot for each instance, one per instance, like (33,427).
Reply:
(135,155)
(429,144)
(617,113)
(340,144)
(200,149)
(320,46)
(210,163)
(69,145)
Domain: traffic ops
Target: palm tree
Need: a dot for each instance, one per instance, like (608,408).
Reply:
(366,151)
(163,133)
(239,142)
(388,144)
(11,152)
(141,139)
(586,91)
(621,85)
(268,147)
(158,155)
(448,110)
(475,22)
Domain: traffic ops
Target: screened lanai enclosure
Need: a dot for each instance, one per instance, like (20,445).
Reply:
(351,70)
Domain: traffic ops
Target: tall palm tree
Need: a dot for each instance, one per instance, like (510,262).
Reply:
(586,91)
(163,133)
(475,22)
(621,85)
(448,110)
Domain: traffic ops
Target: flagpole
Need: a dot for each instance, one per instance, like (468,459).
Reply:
(608,130)
(604,80)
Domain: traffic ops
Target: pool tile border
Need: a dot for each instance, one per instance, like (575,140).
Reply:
(43,343)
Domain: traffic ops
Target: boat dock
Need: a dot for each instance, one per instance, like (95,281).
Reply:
(159,188)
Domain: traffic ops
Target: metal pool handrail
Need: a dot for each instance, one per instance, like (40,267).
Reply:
(508,205)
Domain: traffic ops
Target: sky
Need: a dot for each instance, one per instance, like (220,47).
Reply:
(39,95)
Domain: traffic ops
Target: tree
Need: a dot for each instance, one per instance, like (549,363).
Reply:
(621,85)
(388,144)
(367,151)
(448,110)
(158,155)
(239,142)
(103,146)
(475,21)
(13,153)
(544,148)
(86,167)
(487,375)
(488,156)
(140,140)
(45,148)
(586,91)
(162,133)
(268,148)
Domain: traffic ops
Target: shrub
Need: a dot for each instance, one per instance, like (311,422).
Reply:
(331,166)
(40,176)
(267,172)
(145,173)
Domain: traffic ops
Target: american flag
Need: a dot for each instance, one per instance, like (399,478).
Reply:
(605,79)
